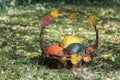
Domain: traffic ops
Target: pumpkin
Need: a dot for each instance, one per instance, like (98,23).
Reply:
(76,48)
(53,50)
(68,40)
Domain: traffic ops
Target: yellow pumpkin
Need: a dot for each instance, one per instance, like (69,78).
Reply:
(68,40)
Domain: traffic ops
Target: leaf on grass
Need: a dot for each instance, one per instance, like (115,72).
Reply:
(92,20)
(55,13)
(76,58)
(107,55)
(72,15)
(46,21)
(12,3)
(27,54)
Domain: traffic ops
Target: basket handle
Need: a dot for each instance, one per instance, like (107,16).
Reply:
(97,37)
(95,46)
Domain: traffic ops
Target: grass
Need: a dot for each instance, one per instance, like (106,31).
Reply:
(19,42)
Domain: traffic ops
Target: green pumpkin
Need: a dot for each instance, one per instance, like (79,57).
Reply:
(76,48)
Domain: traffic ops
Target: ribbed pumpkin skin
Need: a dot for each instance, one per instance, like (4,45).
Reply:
(68,40)
(53,50)
(76,48)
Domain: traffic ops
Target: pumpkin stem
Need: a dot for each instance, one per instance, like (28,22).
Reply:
(97,37)
(73,33)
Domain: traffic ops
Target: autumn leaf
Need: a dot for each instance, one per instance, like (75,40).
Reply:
(12,3)
(87,58)
(107,55)
(27,54)
(72,15)
(46,21)
(76,58)
(55,13)
(90,50)
(92,20)
(63,59)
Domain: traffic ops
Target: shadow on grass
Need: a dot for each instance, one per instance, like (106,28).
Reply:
(110,62)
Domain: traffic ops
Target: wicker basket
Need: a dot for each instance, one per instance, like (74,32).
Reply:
(60,61)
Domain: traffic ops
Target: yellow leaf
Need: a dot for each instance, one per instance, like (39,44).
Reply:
(72,15)
(12,3)
(92,20)
(76,58)
(17,35)
(47,30)
(27,54)
(55,13)
(107,55)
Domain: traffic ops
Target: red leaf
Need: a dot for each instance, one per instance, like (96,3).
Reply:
(46,21)
(90,50)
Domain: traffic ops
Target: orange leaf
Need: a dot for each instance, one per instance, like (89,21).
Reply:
(63,58)
(87,58)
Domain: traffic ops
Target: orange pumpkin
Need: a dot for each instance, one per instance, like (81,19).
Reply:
(53,50)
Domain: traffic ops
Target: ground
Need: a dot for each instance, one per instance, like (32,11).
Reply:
(19,42)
